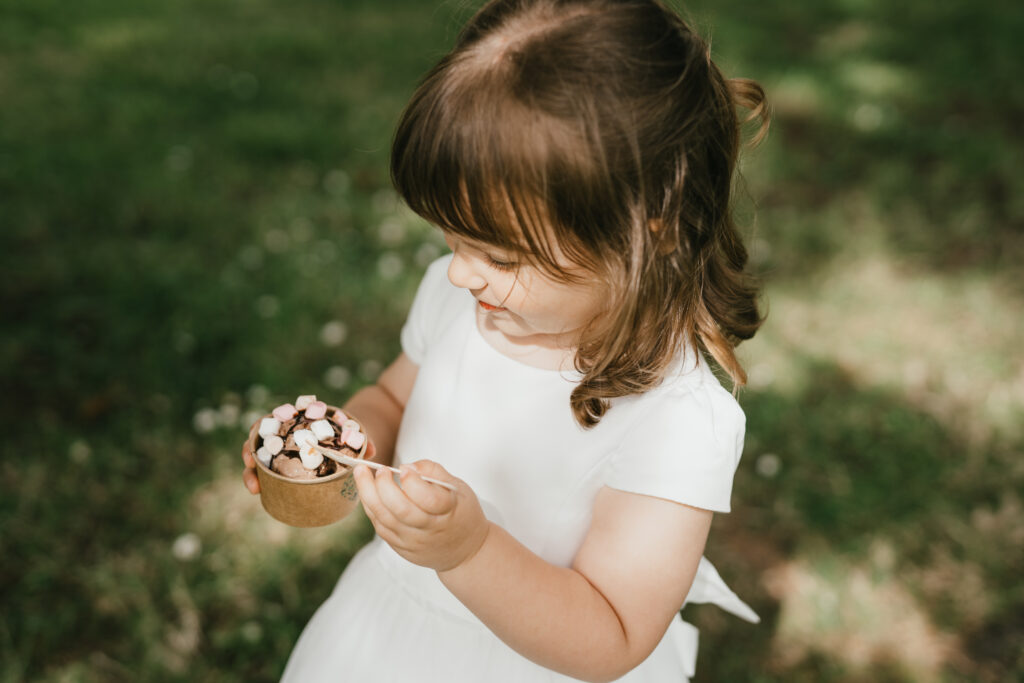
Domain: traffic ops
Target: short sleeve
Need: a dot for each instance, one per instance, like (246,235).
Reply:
(685,448)
(433,308)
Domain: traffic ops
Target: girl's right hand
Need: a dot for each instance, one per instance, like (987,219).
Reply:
(249,477)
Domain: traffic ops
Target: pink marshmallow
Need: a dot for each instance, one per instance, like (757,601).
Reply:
(353,439)
(316,410)
(285,412)
(273,443)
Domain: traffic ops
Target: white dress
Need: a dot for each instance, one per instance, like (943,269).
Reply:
(508,431)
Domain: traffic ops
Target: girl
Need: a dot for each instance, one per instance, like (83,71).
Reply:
(578,156)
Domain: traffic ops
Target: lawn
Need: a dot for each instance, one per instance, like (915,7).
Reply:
(197,222)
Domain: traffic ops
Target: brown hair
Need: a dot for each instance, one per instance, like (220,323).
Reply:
(602,127)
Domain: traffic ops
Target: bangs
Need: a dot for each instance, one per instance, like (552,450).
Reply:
(472,158)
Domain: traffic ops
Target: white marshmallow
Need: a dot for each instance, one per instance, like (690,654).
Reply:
(322,429)
(350,424)
(304,438)
(311,458)
(264,455)
(353,439)
(302,402)
(273,443)
(269,427)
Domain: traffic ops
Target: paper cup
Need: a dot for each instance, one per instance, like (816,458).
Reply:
(307,502)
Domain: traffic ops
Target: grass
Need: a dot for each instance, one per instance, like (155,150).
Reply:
(196,222)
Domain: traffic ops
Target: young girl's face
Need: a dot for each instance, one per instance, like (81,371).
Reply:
(518,299)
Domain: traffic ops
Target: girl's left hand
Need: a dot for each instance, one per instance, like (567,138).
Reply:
(425,523)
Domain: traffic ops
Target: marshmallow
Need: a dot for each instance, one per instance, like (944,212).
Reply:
(304,438)
(306,441)
(273,444)
(311,458)
(322,429)
(350,424)
(285,412)
(269,427)
(316,410)
(353,439)
(302,402)
(264,455)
